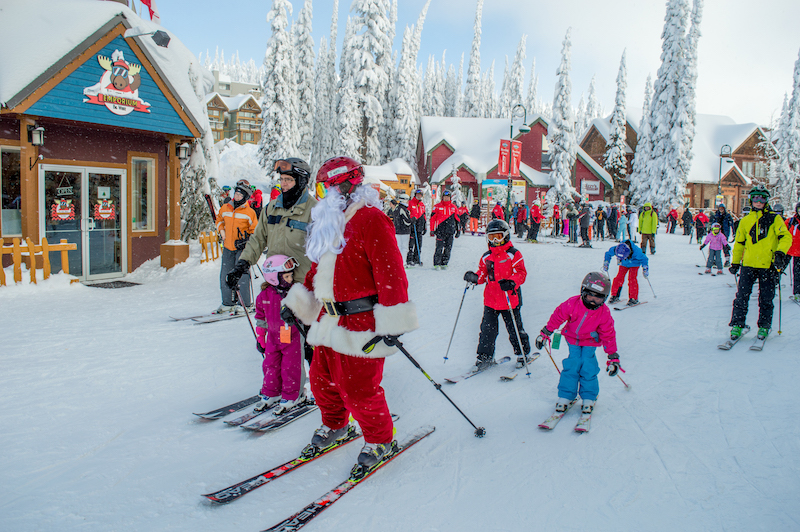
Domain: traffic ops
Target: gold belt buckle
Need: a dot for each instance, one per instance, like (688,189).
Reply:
(330,308)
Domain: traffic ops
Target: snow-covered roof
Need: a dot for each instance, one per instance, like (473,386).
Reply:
(535,177)
(210,96)
(475,141)
(603,126)
(711,133)
(400,167)
(382,173)
(596,168)
(235,103)
(53,32)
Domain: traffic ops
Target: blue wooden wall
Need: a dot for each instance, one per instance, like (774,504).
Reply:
(65,100)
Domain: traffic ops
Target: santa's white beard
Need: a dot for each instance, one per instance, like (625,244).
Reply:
(328,219)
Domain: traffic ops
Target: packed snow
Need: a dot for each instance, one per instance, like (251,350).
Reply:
(98,389)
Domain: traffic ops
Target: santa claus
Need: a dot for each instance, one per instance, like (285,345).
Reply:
(355,291)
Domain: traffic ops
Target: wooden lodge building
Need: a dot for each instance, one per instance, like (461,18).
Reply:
(92,116)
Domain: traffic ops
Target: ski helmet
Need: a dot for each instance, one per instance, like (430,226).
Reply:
(338,170)
(598,284)
(759,190)
(495,227)
(275,265)
(778,209)
(716,226)
(243,188)
(623,251)
(295,167)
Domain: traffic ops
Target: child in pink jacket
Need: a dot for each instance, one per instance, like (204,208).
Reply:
(716,242)
(588,325)
(279,343)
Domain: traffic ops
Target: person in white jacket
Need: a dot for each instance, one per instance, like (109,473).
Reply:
(633,223)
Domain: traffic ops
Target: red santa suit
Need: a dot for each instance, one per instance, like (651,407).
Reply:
(345,380)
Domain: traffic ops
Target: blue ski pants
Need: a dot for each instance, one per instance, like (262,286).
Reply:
(579,374)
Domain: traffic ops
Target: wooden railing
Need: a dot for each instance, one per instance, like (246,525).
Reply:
(16,250)
(210,245)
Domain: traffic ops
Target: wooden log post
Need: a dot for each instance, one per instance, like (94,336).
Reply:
(32,255)
(45,259)
(16,255)
(65,257)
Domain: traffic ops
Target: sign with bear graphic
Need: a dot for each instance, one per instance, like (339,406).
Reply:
(118,88)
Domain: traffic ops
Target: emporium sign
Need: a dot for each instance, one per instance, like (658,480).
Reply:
(118,88)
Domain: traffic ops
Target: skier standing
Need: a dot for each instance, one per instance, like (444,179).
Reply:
(687,220)
(585,221)
(648,227)
(498,213)
(793,225)
(503,270)
(355,291)
(536,222)
(722,217)
(522,219)
(236,221)
(716,242)
(600,224)
(276,341)
(475,217)
(633,224)
(588,325)
(558,225)
(759,249)
(463,216)
(630,257)
(444,226)
(419,226)
(612,221)
(700,221)
(672,220)
(623,230)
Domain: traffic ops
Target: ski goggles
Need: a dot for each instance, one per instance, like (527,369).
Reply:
(290,264)
(594,296)
(496,237)
(758,199)
(285,167)
(322,190)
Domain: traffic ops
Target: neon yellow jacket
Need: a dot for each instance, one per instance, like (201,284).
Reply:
(648,221)
(759,236)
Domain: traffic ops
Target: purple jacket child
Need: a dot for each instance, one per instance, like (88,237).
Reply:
(282,347)
(715,241)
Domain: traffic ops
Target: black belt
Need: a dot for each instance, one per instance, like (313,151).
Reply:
(343,308)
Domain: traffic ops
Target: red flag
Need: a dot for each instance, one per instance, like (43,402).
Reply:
(151,6)
(503,160)
(516,158)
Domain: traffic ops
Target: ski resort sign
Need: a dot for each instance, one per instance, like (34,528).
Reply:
(592,188)
(118,88)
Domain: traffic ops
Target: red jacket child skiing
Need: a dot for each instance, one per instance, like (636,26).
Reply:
(503,270)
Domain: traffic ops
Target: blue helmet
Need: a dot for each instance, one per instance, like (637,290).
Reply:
(623,251)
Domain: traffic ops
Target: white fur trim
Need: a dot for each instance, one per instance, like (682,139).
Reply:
(303,303)
(327,332)
(323,280)
(395,320)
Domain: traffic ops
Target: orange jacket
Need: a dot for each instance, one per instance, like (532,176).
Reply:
(236,223)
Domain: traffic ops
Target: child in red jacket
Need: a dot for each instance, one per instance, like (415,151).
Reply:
(503,270)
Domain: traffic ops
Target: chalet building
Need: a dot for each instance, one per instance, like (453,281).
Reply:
(592,181)
(234,117)
(470,147)
(224,86)
(93,115)
(217,111)
(594,143)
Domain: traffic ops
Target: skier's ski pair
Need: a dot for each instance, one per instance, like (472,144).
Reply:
(209,318)
(583,422)
(267,424)
(471,373)
(513,375)
(630,306)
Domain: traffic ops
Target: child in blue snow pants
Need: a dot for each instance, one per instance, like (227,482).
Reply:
(579,374)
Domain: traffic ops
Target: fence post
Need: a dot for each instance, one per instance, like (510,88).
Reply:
(2,273)
(215,246)
(16,255)
(64,258)
(45,259)
(32,255)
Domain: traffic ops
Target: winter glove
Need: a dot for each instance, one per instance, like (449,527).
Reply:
(471,277)
(288,316)
(605,266)
(612,366)
(260,347)
(241,243)
(240,268)
(734,269)
(432,233)
(702,246)
(646,271)
(458,235)
(388,339)
(507,285)
(779,261)
(544,336)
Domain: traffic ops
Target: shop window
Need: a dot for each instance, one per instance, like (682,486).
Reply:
(248,136)
(11,204)
(706,203)
(143,190)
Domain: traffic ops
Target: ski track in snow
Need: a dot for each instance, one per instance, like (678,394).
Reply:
(97,390)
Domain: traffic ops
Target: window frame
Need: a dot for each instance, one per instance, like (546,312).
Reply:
(152,158)
(18,150)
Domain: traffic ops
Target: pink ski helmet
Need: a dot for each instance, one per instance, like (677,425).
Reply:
(275,265)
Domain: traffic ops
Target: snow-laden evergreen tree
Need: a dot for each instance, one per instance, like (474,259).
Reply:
(581,122)
(384,132)
(490,104)
(517,76)
(665,181)
(474,90)
(789,145)
(638,187)
(304,79)
(450,92)
(532,99)
(322,111)
(372,56)
(348,118)
(504,101)
(439,101)
(330,132)
(614,160)
(427,88)
(561,129)
(278,101)
(593,109)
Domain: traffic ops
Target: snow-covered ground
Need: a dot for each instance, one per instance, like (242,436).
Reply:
(97,390)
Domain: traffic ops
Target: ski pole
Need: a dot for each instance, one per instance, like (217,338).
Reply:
(550,354)
(519,339)
(780,302)
(705,260)
(456,323)
(238,295)
(651,286)
(480,432)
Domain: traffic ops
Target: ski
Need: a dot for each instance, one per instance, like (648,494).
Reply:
(248,416)
(276,422)
(185,318)
(309,454)
(231,408)
(796,300)
(758,344)
(472,373)
(304,516)
(213,318)
(583,422)
(730,342)
(630,306)
(513,375)
(552,421)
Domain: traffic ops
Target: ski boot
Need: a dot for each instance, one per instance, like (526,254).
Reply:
(736,332)
(223,309)
(708,270)
(613,299)
(587,407)
(522,360)
(371,455)
(720,272)
(727,262)
(287,404)
(266,403)
(435,267)
(324,436)
(562,405)
(632,302)
(763,332)
(482,363)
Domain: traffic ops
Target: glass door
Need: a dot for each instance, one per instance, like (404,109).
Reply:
(85,206)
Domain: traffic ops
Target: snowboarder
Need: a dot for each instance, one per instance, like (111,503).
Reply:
(648,227)
(355,291)
(588,325)
(236,221)
(444,226)
(474,217)
(277,342)
(630,257)
(793,225)
(419,226)
(503,270)
(759,250)
(716,242)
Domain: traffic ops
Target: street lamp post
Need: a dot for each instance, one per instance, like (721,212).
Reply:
(723,152)
(517,111)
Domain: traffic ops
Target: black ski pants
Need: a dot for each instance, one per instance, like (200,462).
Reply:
(444,244)
(796,276)
(766,278)
(489,330)
(533,232)
(585,235)
(415,241)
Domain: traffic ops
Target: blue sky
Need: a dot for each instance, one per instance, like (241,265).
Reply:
(746,53)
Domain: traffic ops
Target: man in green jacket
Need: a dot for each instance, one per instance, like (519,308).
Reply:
(648,225)
(759,249)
